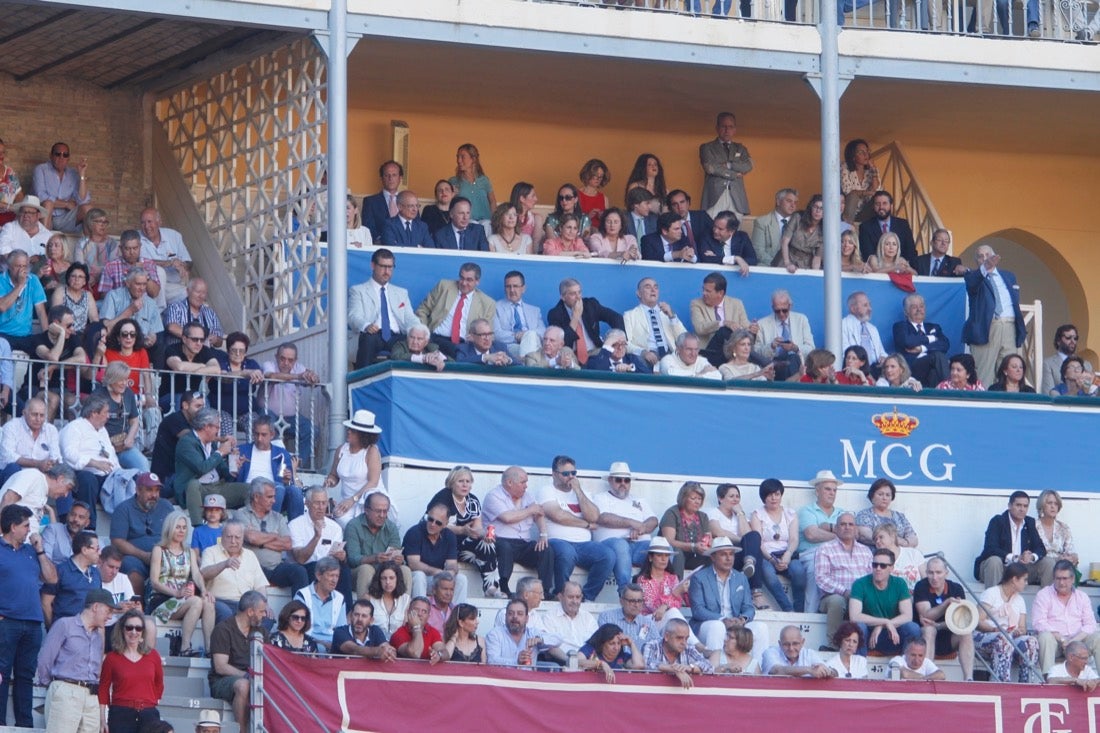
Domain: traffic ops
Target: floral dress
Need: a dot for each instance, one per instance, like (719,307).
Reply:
(175,572)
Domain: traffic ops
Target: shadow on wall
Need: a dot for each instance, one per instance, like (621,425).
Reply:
(1043,274)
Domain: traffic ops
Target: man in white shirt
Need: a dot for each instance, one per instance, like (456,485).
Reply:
(569,623)
(570,519)
(685,361)
(230,570)
(915,664)
(165,247)
(625,523)
(1075,670)
(33,488)
(86,448)
(314,536)
(29,441)
(26,232)
(652,327)
(517,325)
(856,329)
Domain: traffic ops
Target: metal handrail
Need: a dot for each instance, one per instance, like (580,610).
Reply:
(1031,668)
(910,199)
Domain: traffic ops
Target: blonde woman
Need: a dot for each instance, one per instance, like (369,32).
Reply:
(179,593)
(888,258)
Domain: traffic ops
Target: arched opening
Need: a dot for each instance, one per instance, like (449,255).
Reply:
(1044,274)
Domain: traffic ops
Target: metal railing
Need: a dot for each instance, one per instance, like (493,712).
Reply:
(1060,20)
(910,200)
(66,384)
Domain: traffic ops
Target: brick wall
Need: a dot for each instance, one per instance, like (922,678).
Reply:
(104,126)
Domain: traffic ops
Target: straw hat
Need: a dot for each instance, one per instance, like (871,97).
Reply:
(962,617)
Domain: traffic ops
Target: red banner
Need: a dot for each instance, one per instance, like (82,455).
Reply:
(305,694)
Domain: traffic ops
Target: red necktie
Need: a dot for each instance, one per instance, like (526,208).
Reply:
(456,324)
(885,227)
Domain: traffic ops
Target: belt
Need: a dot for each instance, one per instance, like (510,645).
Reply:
(92,687)
(133,704)
(1006,319)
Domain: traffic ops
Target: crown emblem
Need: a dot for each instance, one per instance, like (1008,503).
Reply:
(896,425)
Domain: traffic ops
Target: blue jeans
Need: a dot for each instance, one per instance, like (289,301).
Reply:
(907,632)
(289,575)
(290,500)
(627,555)
(19,645)
(133,458)
(595,557)
(796,573)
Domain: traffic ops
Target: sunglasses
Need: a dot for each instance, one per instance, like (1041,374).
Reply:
(568,474)
(127,334)
(881,565)
(134,628)
(566,197)
(297,617)
(60,155)
(621,479)
(434,521)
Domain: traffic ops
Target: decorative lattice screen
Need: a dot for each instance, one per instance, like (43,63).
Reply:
(250,144)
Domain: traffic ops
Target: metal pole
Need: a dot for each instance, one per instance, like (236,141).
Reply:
(830,170)
(337,224)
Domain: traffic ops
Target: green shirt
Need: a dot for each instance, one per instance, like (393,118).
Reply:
(361,542)
(880,603)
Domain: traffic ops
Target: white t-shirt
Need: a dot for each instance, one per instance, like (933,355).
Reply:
(1059,671)
(630,508)
(926,669)
(568,501)
(30,484)
(121,590)
(1008,615)
(261,465)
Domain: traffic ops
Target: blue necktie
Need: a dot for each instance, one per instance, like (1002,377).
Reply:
(459,237)
(517,325)
(384,306)
(784,331)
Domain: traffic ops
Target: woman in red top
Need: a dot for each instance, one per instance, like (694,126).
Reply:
(593,201)
(131,681)
(819,367)
(126,343)
(856,370)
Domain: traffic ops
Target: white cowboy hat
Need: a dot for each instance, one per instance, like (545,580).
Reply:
(721,543)
(825,475)
(660,546)
(619,468)
(363,421)
(962,617)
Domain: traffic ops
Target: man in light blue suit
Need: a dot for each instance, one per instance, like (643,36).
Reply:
(460,235)
(407,229)
(376,328)
(518,325)
(721,599)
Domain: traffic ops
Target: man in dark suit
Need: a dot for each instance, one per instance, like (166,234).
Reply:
(1012,537)
(407,229)
(613,357)
(460,235)
(871,230)
(379,207)
(727,245)
(580,319)
(938,263)
(994,327)
(639,220)
(923,344)
(480,348)
(668,244)
(695,225)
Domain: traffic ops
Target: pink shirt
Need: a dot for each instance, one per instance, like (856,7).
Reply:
(558,246)
(1048,613)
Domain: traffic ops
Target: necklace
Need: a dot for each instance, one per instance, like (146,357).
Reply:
(509,244)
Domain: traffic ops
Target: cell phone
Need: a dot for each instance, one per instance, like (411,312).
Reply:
(135,599)
(326,542)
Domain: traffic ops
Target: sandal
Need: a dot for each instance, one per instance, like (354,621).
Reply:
(758,601)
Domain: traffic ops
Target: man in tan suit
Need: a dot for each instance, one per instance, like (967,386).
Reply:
(452,305)
(652,327)
(725,164)
(554,354)
(716,315)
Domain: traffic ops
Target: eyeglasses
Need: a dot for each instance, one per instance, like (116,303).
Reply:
(568,474)
(127,334)
(881,565)
(484,333)
(297,617)
(133,628)
(192,338)
(621,479)
(781,310)
(566,197)
(434,521)
(633,600)
(60,155)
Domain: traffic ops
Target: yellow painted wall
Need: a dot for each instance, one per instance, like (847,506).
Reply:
(977,193)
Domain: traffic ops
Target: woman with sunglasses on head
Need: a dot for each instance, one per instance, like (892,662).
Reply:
(294,623)
(97,246)
(131,681)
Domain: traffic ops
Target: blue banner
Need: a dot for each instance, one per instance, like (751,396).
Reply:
(614,284)
(712,430)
